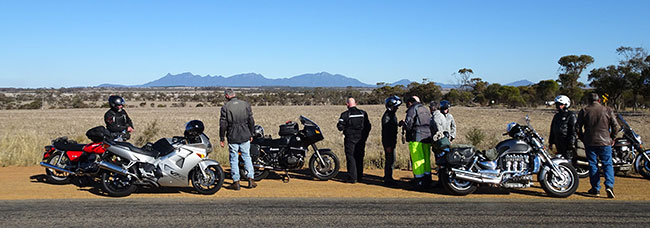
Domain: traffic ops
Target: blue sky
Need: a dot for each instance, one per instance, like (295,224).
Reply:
(86,43)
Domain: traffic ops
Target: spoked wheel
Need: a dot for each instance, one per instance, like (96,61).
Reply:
(455,186)
(117,185)
(642,165)
(54,176)
(209,184)
(325,169)
(560,186)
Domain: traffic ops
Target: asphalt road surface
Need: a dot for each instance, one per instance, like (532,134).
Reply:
(342,212)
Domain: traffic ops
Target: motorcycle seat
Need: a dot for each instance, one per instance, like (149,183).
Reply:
(68,146)
(138,150)
(281,142)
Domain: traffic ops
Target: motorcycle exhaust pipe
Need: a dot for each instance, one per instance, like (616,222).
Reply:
(47,165)
(582,163)
(475,177)
(115,168)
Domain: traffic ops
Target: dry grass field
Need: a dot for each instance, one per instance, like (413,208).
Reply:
(23,133)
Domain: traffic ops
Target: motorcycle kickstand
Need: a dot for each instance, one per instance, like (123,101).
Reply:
(286,178)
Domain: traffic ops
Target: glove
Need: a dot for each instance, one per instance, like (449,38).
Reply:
(401,123)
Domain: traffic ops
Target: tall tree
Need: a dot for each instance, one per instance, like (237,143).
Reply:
(571,67)
(633,64)
(463,78)
(611,81)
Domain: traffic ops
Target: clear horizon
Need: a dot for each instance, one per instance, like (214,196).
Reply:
(80,43)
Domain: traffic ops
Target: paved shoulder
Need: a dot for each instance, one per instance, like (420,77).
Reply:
(321,212)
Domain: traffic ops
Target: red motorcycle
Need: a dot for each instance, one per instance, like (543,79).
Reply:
(66,160)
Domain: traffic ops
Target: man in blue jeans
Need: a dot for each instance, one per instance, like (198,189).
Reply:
(237,124)
(600,128)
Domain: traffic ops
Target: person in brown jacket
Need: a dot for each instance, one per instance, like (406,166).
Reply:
(600,128)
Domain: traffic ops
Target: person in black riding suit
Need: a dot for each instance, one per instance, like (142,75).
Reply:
(563,129)
(117,120)
(389,128)
(356,127)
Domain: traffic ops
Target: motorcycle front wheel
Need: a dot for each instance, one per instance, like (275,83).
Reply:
(325,169)
(557,186)
(53,176)
(209,184)
(117,185)
(642,165)
(455,186)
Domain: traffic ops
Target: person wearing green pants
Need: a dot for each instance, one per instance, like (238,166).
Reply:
(418,135)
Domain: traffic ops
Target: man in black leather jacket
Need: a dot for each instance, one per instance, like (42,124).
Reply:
(563,129)
(356,127)
(117,120)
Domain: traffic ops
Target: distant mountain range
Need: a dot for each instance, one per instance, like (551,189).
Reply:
(322,79)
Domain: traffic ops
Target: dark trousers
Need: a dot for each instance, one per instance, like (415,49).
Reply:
(389,153)
(567,153)
(354,153)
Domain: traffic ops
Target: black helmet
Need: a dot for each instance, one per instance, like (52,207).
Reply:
(444,104)
(259,131)
(114,101)
(193,128)
(393,102)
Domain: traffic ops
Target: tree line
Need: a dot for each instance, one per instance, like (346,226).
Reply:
(624,84)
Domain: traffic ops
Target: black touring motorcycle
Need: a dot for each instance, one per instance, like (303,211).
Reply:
(289,152)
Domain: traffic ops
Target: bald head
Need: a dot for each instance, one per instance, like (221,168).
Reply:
(351,102)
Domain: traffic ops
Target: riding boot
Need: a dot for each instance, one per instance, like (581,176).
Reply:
(251,183)
(234,186)
(426,182)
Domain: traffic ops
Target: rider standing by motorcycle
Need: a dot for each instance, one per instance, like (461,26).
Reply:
(389,137)
(117,120)
(418,135)
(563,129)
(237,124)
(600,128)
(356,127)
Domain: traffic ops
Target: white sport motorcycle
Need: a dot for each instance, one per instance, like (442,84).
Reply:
(169,162)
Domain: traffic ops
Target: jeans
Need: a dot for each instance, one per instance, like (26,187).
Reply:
(605,155)
(244,148)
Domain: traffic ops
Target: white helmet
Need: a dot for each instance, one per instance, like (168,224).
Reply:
(563,100)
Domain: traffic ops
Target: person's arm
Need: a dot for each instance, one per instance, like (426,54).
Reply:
(613,124)
(409,121)
(551,138)
(572,130)
(343,120)
(366,125)
(251,120)
(223,124)
(580,124)
(452,126)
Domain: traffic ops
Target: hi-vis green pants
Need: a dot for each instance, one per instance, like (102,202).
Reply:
(420,158)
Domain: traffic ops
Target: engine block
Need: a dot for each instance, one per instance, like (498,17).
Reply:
(515,162)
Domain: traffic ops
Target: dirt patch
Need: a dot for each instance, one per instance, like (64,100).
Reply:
(18,183)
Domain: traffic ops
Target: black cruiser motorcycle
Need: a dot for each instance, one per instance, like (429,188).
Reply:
(510,165)
(627,153)
(289,152)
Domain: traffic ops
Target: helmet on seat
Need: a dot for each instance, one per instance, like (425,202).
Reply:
(393,102)
(114,101)
(258,131)
(193,128)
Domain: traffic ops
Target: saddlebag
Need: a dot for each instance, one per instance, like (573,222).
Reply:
(458,156)
(289,128)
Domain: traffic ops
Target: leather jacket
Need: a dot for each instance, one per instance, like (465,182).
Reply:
(563,129)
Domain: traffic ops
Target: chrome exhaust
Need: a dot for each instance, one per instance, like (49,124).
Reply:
(115,168)
(476,177)
(47,165)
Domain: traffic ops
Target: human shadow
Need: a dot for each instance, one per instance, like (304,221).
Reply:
(39,178)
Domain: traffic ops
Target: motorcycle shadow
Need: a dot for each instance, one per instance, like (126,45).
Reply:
(97,190)
(39,178)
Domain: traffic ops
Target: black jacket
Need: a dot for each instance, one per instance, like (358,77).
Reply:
(117,122)
(563,129)
(389,129)
(354,123)
(236,121)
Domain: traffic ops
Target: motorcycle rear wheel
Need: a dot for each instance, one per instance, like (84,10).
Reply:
(554,186)
(642,166)
(212,183)
(117,185)
(455,186)
(327,171)
(583,171)
(53,176)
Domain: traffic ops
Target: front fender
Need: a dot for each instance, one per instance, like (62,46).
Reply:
(556,161)
(206,163)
